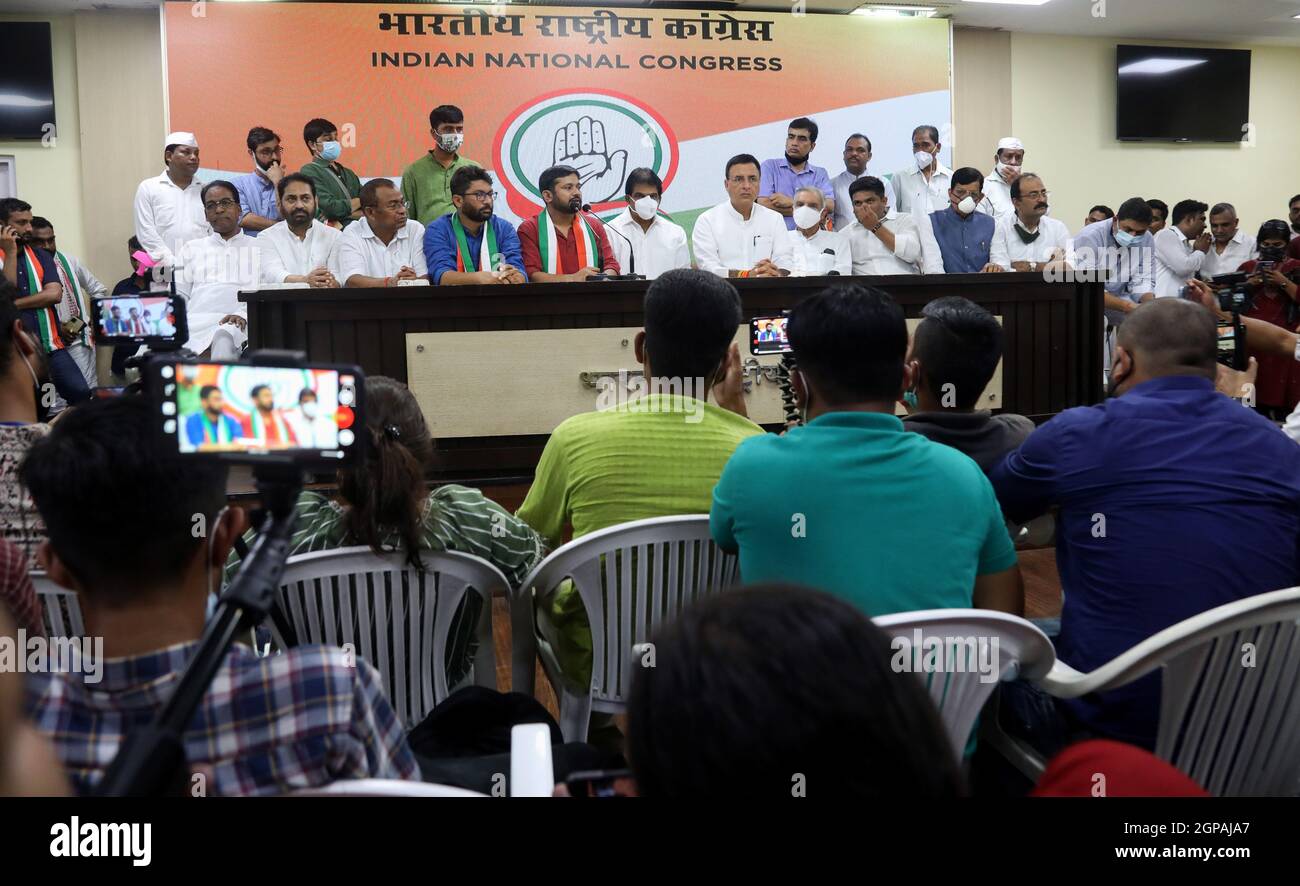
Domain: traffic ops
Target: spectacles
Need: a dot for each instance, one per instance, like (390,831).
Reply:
(482,195)
(1034,195)
(220,204)
(395,205)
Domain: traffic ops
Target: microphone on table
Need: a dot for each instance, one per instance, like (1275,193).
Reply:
(832,272)
(631,256)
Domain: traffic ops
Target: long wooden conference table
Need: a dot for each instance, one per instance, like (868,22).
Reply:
(496,367)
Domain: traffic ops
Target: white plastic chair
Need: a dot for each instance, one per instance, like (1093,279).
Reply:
(1229,701)
(633,578)
(61,608)
(397,618)
(383,787)
(1014,648)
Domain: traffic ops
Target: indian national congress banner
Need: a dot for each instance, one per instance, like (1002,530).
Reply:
(603,90)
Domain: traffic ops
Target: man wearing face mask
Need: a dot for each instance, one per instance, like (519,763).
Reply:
(817,252)
(338,190)
(857,155)
(257,198)
(311,428)
(472,245)
(922,187)
(1186,529)
(299,249)
(563,244)
(1122,246)
(426,183)
(959,239)
(783,176)
(22,372)
(1010,160)
(1027,239)
(1180,250)
(645,242)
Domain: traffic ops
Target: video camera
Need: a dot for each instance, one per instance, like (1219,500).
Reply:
(154,319)
(1234,295)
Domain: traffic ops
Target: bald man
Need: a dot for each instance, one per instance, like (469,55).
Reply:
(1173,499)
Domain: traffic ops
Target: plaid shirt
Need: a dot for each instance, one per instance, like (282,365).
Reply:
(266,726)
(16,591)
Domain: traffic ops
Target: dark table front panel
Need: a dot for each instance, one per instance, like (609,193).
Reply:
(1053,357)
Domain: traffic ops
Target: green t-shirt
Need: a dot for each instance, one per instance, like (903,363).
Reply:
(426,187)
(852,504)
(336,185)
(656,456)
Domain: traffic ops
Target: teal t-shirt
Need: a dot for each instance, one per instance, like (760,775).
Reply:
(852,504)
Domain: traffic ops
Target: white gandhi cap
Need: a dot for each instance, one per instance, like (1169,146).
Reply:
(1010,143)
(181,138)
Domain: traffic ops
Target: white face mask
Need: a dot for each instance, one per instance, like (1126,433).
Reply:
(646,208)
(450,141)
(308,408)
(805,217)
(1006,170)
(923,159)
(967,205)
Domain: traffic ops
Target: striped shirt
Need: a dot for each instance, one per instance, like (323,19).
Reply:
(266,726)
(455,518)
(16,591)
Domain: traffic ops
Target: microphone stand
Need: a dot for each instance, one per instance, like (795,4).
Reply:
(151,761)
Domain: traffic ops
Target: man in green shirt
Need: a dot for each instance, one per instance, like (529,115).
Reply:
(426,183)
(852,504)
(338,190)
(654,456)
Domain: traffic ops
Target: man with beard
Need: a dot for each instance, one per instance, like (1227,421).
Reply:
(782,177)
(257,189)
(1028,239)
(562,244)
(471,244)
(32,271)
(300,248)
(168,208)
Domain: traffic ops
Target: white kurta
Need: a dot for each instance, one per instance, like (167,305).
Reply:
(212,272)
(167,217)
(725,241)
(284,255)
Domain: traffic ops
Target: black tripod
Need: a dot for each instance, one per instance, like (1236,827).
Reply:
(151,761)
(788,404)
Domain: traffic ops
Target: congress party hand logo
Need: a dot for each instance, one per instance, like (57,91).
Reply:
(602,134)
(581,145)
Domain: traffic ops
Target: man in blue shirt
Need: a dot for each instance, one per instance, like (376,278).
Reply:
(851,503)
(1173,500)
(258,206)
(1124,248)
(958,239)
(472,245)
(780,178)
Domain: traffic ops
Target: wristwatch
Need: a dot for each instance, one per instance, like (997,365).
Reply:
(878,226)
(1033,266)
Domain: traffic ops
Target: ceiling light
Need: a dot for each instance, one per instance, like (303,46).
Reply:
(885,10)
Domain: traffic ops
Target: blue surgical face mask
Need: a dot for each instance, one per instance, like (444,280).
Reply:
(330,151)
(1124,238)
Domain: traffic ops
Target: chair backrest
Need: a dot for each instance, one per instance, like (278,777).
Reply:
(396,617)
(633,578)
(1230,694)
(383,787)
(61,608)
(961,655)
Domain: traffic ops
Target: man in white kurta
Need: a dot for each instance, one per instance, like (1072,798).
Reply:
(738,237)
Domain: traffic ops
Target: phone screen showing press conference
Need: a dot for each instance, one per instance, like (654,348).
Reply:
(135,318)
(767,335)
(250,411)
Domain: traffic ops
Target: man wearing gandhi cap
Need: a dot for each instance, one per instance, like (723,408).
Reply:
(997,186)
(168,210)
